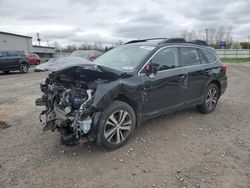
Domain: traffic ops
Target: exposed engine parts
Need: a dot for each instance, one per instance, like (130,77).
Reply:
(68,107)
(68,96)
(80,126)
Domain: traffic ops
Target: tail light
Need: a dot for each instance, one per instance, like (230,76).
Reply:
(224,68)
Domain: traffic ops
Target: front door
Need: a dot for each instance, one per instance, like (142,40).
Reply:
(13,59)
(164,89)
(3,60)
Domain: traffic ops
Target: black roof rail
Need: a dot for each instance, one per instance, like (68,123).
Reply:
(173,40)
(144,40)
(170,40)
(135,41)
(199,42)
(155,39)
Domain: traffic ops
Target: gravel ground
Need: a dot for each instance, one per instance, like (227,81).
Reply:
(182,149)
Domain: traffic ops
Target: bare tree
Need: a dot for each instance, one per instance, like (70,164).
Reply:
(236,45)
(211,35)
(58,47)
(191,35)
(118,43)
(228,35)
(215,35)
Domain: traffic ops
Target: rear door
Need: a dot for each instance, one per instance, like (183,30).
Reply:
(193,62)
(164,90)
(210,66)
(3,60)
(13,59)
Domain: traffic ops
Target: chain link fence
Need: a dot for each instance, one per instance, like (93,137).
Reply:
(233,53)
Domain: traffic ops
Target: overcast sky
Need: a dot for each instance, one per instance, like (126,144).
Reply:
(79,21)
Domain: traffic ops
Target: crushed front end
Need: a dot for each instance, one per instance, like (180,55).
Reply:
(68,96)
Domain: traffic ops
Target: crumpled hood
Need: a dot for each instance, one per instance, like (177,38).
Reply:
(56,64)
(87,72)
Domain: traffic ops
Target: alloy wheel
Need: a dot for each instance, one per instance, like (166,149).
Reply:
(211,99)
(24,68)
(117,127)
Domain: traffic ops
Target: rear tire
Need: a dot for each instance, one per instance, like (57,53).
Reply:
(116,125)
(210,99)
(24,68)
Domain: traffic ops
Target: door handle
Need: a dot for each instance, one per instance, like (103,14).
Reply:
(208,71)
(184,80)
(183,76)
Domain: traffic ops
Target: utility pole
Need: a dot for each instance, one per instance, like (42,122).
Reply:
(207,35)
(47,43)
(38,38)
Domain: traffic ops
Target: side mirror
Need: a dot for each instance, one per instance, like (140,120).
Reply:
(0,55)
(151,70)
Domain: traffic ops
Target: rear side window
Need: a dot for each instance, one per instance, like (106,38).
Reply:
(209,55)
(21,53)
(166,59)
(190,56)
(3,54)
(35,55)
(202,58)
(13,53)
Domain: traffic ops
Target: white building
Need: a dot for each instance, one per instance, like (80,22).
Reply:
(11,41)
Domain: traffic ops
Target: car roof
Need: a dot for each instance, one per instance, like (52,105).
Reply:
(161,42)
(7,51)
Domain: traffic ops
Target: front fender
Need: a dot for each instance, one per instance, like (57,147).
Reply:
(106,93)
(24,61)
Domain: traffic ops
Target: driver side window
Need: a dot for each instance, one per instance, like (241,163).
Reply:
(165,59)
(3,54)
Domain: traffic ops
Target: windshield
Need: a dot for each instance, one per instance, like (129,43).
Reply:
(124,58)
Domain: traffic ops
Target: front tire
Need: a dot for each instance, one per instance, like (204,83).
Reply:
(116,125)
(24,68)
(210,100)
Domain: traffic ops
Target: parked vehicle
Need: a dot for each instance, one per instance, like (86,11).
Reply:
(90,55)
(33,59)
(106,100)
(56,64)
(13,60)
(45,66)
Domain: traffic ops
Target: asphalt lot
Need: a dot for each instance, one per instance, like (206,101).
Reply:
(182,149)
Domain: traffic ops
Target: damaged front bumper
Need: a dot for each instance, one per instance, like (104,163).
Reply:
(69,96)
(76,125)
(79,131)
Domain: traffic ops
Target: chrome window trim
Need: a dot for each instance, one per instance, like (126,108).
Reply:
(139,72)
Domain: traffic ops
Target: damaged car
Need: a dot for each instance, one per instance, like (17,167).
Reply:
(56,64)
(142,79)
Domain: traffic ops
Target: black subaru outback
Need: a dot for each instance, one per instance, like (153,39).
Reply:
(142,79)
